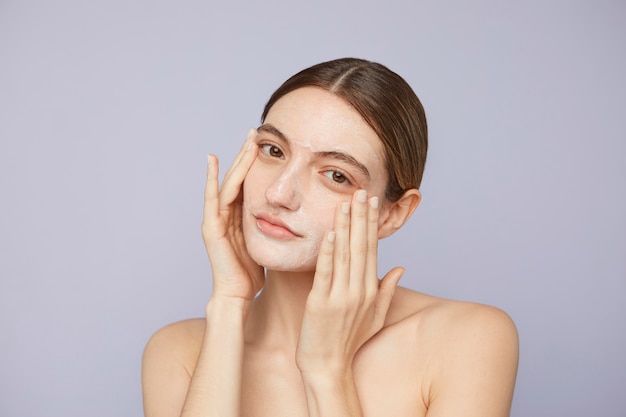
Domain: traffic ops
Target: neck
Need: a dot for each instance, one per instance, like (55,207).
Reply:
(276,314)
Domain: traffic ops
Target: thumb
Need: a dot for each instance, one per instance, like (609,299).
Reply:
(386,290)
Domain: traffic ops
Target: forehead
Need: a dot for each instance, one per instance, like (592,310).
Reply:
(318,120)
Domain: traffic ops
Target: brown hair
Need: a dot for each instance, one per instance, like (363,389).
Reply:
(386,102)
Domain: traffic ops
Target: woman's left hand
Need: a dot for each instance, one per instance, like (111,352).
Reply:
(347,304)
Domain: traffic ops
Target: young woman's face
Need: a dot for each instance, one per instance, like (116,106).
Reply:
(315,152)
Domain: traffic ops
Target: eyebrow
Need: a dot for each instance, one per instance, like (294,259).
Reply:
(340,156)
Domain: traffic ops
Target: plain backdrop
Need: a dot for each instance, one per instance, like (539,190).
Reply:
(108,109)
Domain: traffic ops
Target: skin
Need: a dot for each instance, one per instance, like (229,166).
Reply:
(296,181)
(325,336)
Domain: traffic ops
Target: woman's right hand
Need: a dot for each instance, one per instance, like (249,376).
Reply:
(235,274)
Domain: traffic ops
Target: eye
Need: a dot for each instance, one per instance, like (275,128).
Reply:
(271,150)
(337,177)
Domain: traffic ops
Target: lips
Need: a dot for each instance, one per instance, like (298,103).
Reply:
(274,227)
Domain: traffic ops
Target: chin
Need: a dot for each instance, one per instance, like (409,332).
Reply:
(282,267)
(282,256)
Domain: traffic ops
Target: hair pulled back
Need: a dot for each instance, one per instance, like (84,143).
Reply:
(386,102)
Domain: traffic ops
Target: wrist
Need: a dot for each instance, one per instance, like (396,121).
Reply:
(331,393)
(328,376)
(220,306)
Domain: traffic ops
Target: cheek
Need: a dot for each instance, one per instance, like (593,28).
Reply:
(321,216)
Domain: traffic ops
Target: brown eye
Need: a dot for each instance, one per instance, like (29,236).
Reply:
(271,150)
(274,151)
(337,177)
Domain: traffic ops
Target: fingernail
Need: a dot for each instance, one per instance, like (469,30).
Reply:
(374,202)
(361,196)
(345,207)
(208,160)
(331,236)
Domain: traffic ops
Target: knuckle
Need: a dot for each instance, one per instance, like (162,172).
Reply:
(343,258)
(356,297)
(370,298)
(361,250)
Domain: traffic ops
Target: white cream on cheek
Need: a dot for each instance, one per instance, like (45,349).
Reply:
(313,204)
(320,212)
(310,211)
(300,198)
(313,121)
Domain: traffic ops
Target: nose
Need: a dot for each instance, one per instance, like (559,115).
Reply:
(284,191)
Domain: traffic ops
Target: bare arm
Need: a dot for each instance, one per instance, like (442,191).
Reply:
(346,307)
(165,377)
(477,367)
(216,382)
(193,367)
(213,388)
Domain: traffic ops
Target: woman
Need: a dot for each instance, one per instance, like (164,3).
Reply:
(298,323)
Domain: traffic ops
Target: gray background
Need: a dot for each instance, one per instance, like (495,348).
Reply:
(108,108)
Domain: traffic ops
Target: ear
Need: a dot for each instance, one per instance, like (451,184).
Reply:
(394,215)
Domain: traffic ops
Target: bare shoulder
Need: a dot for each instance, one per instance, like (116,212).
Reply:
(449,318)
(180,341)
(168,363)
(467,353)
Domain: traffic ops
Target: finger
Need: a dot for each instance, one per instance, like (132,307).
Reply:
(341,253)
(231,186)
(358,239)
(386,290)
(245,148)
(324,267)
(211,190)
(371,266)
(246,144)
